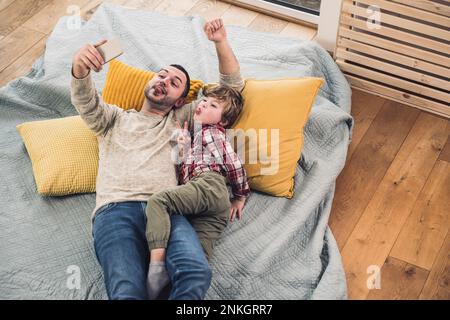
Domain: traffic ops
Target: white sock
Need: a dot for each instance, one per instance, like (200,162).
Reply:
(157,279)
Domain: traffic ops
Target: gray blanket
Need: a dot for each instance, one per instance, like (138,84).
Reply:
(283,249)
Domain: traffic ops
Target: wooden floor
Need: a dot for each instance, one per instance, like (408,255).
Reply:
(391,211)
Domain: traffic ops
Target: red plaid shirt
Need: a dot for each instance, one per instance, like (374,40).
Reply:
(211,151)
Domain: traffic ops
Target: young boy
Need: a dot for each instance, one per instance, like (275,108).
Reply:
(205,168)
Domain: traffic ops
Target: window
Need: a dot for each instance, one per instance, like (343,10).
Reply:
(324,14)
(310,6)
(302,10)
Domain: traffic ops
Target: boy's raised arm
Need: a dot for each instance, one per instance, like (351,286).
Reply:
(228,64)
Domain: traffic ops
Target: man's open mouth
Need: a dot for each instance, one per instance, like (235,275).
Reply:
(159,91)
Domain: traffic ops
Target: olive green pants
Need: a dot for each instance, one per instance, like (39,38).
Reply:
(204,201)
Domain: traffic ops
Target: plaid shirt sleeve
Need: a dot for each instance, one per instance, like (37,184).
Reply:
(224,155)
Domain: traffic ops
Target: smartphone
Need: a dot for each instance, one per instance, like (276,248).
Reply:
(110,49)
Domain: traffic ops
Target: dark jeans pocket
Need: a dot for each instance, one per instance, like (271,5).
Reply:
(104,209)
(101,212)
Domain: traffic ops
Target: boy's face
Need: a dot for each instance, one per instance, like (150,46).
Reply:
(209,111)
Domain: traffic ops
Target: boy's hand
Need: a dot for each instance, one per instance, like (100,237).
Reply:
(215,30)
(87,58)
(237,205)
(183,139)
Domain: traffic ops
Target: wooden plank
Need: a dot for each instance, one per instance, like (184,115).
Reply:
(399,281)
(409,11)
(238,16)
(398,21)
(396,58)
(23,64)
(393,81)
(299,31)
(365,108)
(437,286)
(376,231)
(425,230)
(209,9)
(445,154)
(430,6)
(396,35)
(88,9)
(17,43)
(264,23)
(397,71)
(18,12)
(394,46)
(5,3)
(175,7)
(359,179)
(45,20)
(399,96)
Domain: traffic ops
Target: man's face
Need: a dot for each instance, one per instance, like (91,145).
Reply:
(166,87)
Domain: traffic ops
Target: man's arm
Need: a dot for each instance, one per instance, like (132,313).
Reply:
(228,64)
(98,115)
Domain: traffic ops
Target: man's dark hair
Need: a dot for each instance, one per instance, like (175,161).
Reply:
(188,79)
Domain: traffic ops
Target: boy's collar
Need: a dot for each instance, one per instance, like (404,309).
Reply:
(205,126)
(217,126)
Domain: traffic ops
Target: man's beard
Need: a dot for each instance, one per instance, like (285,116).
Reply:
(163,104)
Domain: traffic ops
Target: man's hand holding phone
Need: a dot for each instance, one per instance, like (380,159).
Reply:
(94,57)
(87,58)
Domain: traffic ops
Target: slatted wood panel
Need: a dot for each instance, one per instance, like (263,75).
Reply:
(404,55)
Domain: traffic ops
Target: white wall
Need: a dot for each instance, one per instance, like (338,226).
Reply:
(330,12)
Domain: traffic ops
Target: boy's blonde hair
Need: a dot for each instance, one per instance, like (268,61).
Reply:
(233,99)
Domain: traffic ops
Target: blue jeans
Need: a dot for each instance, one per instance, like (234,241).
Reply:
(122,251)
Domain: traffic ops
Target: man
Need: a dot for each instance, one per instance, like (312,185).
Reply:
(135,162)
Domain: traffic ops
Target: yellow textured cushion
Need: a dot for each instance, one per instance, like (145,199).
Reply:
(64,155)
(125,85)
(283,105)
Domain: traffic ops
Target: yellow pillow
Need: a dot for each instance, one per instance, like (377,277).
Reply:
(281,108)
(64,155)
(125,85)
(64,152)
